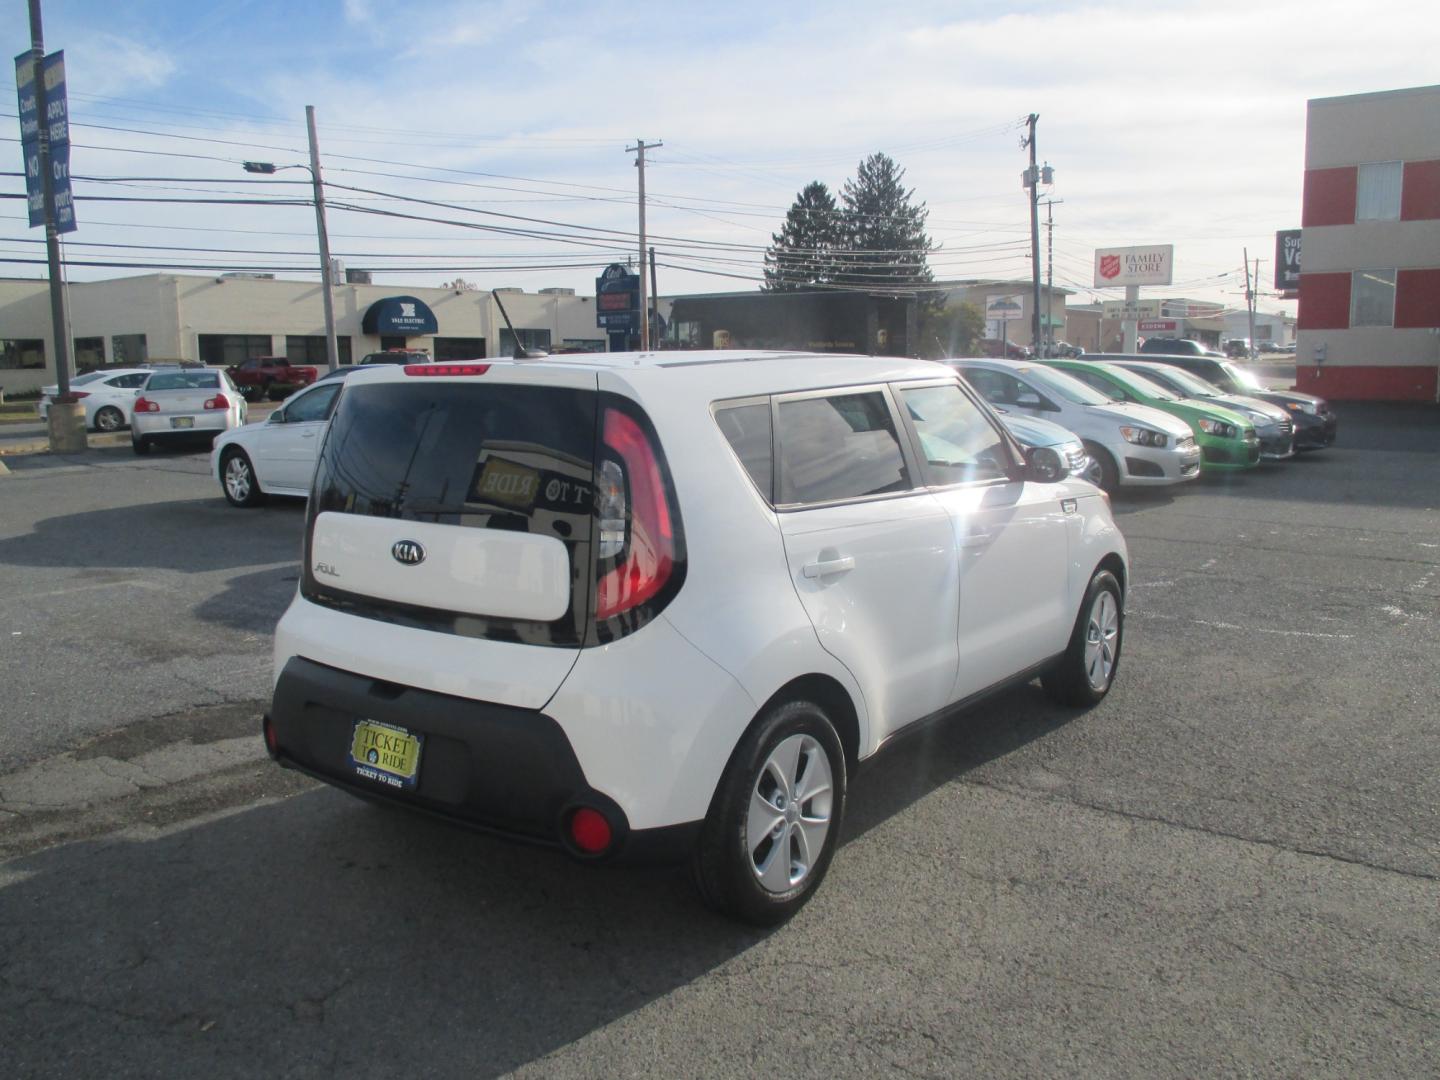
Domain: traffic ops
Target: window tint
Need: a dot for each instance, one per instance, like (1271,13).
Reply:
(129,382)
(839,447)
(1002,388)
(747,427)
(184,380)
(1097,382)
(87,378)
(957,442)
(315,405)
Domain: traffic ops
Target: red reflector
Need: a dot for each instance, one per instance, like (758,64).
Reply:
(446,369)
(651,549)
(271,742)
(590,831)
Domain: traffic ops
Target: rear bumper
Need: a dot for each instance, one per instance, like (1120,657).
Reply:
(157,425)
(496,768)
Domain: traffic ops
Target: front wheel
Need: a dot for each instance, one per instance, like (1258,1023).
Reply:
(1084,675)
(774,822)
(237,480)
(1102,471)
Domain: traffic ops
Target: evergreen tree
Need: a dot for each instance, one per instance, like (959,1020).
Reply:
(885,240)
(802,253)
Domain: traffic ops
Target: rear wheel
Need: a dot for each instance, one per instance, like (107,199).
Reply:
(1103,472)
(139,443)
(109,419)
(774,822)
(237,480)
(1084,675)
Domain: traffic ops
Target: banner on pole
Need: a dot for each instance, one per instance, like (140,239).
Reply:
(57,126)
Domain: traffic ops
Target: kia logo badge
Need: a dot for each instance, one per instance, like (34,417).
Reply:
(409,552)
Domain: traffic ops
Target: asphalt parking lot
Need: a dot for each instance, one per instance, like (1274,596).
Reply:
(1232,866)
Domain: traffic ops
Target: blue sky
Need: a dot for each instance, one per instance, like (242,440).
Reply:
(1172,122)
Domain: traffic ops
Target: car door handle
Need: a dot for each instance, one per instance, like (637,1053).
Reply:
(978,539)
(826,567)
(307,434)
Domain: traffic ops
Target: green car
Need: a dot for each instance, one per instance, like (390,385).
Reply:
(1226,439)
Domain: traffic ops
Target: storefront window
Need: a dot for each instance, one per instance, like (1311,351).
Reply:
(223,350)
(89,353)
(530,339)
(459,348)
(22,353)
(128,349)
(310,349)
(585,344)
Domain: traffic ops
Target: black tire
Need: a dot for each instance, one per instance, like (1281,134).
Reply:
(139,444)
(109,419)
(1109,471)
(1071,681)
(246,488)
(724,864)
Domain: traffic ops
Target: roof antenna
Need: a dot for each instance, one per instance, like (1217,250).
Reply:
(521,353)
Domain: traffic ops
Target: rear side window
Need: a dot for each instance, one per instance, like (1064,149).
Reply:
(748,430)
(957,443)
(842,446)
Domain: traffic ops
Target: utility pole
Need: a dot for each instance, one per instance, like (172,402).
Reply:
(332,349)
(1033,183)
(641,146)
(1250,302)
(1050,205)
(59,320)
(654,296)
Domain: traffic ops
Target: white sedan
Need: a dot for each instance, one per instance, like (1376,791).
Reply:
(108,396)
(278,456)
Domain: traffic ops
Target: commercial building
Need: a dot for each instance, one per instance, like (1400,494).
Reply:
(821,321)
(1272,328)
(1369,323)
(223,320)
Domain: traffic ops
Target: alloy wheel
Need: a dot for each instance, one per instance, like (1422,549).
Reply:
(1102,631)
(790,811)
(238,479)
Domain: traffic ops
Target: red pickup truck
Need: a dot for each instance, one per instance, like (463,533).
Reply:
(270,376)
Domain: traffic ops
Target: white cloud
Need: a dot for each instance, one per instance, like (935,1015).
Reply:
(104,64)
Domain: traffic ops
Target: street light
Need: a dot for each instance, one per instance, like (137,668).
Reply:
(332,348)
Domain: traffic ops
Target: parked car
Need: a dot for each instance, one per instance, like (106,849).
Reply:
(184,405)
(1227,440)
(1273,426)
(1033,433)
(640,604)
(397,356)
(270,376)
(1316,424)
(108,395)
(1128,445)
(278,456)
(1177,347)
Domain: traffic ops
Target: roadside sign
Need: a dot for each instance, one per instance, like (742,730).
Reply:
(1004,307)
(1287,260)
(617,300)
(1130,310)
(1154,265)
(1150,326)
(57,121)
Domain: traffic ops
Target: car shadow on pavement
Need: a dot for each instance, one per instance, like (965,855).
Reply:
(322,932)
(251,602)
(186,535)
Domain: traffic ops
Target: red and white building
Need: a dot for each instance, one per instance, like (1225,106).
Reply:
(1369,322)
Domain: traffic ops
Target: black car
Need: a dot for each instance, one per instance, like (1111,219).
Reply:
(1315,421)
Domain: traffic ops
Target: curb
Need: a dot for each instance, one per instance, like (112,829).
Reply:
(42,445)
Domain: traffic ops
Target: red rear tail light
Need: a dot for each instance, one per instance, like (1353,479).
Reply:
(647,547)
(590,831)
(446,369)
(219,401)
(76,395)
(144,404)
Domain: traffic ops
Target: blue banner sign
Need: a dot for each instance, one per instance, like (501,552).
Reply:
(617,299)
(57,125)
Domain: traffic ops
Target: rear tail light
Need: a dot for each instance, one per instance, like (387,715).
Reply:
(76,395)
(446,369)
(636,531)
(590,831)
(219,401)
(144,404)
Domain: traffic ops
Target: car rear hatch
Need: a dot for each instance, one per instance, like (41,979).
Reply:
(184,393)
(458,508)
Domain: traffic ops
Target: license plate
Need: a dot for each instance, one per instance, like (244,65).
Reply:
(385,754)
(182,421)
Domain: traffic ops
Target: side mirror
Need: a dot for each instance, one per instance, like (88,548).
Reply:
(1044,465)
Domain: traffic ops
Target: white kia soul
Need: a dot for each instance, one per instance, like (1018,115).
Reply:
(663,604)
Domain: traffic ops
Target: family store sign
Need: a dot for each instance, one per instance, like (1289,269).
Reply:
(1135,265)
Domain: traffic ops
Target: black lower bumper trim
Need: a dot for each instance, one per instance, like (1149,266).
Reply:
(496,768)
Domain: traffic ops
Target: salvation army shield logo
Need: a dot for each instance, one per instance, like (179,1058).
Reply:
(1109,266)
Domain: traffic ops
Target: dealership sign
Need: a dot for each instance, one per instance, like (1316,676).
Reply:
(1152,265)
(1287,260)
(1004,307)
(617,300)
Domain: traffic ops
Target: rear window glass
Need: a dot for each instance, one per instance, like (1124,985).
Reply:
(184,380)
(747,427)
(839,447)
